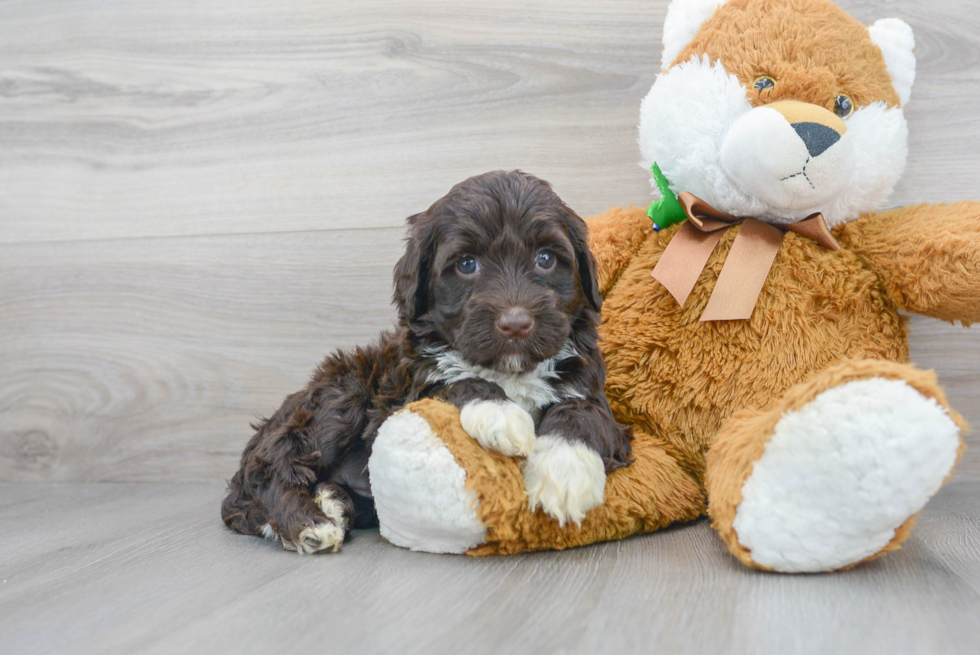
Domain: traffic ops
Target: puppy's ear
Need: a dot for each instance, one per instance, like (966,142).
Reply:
(413,269)
(578,234)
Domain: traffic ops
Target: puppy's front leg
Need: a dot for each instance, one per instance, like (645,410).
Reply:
(488,416)
(579,442)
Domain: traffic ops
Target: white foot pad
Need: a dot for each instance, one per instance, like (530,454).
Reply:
(501,426)
(419,489)
(564,478)
(841,474)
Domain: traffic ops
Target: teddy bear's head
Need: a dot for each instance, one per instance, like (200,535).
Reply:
(778,109)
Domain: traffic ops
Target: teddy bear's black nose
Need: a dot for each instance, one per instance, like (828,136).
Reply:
(817,137)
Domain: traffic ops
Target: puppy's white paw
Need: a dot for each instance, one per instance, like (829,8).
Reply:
(330,505)
(320,538)
(501,426)
(324,537)
(565,479)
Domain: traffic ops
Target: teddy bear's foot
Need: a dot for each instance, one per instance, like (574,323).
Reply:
(437,489)
(420,490)
(834,474)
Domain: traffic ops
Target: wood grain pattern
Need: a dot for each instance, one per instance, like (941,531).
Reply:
(198,200)
(175,118)
(146,359)
(147,568)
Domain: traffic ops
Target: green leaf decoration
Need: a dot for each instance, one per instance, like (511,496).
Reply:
(666,211)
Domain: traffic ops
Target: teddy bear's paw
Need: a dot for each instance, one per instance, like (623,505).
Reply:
(502,426)
(419,489)
(840,476)
(564,478)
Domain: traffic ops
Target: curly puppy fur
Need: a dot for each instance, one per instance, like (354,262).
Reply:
(497,302)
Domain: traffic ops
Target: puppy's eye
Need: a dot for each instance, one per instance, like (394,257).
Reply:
(544,260)
(763,82)
(843,106)
(467,265)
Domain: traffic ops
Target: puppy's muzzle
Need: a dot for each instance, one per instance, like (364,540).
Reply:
(515,323)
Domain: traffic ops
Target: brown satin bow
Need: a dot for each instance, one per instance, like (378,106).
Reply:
(748,262)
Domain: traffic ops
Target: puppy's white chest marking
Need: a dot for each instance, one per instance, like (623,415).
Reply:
(533,390)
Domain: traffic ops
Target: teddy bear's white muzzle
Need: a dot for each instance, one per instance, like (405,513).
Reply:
(789,166)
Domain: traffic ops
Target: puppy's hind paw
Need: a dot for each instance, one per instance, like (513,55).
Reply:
(564,478)
(324,536)
(319,538)
(501,426)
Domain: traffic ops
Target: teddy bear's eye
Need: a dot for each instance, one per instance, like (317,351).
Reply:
(843,106)
(762,83)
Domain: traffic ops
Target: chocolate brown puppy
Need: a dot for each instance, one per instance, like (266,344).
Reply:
(497,309)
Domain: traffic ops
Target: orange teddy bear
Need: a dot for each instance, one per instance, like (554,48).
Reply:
(754,341)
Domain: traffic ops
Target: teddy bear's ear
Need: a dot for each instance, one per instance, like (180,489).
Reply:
(684,19)
(895,40)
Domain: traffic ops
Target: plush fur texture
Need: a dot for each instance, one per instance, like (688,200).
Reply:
(710,402)
(895,40)
(422,498)
(743,440)
(829,55)
(649,494)
(926,257)
(840,473)
(683,21)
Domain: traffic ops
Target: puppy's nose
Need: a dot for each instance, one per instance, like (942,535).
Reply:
(515,323)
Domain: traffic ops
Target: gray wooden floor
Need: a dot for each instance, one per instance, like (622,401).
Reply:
(199,199)
(146,568)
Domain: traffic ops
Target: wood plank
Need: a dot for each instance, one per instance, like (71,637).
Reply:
(189,118)
(177,181)
(197,200)
(148,568)
(171,118)
(146,359)
(954,354)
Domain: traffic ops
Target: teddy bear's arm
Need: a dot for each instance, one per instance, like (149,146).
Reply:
(614,237)
(928,257)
